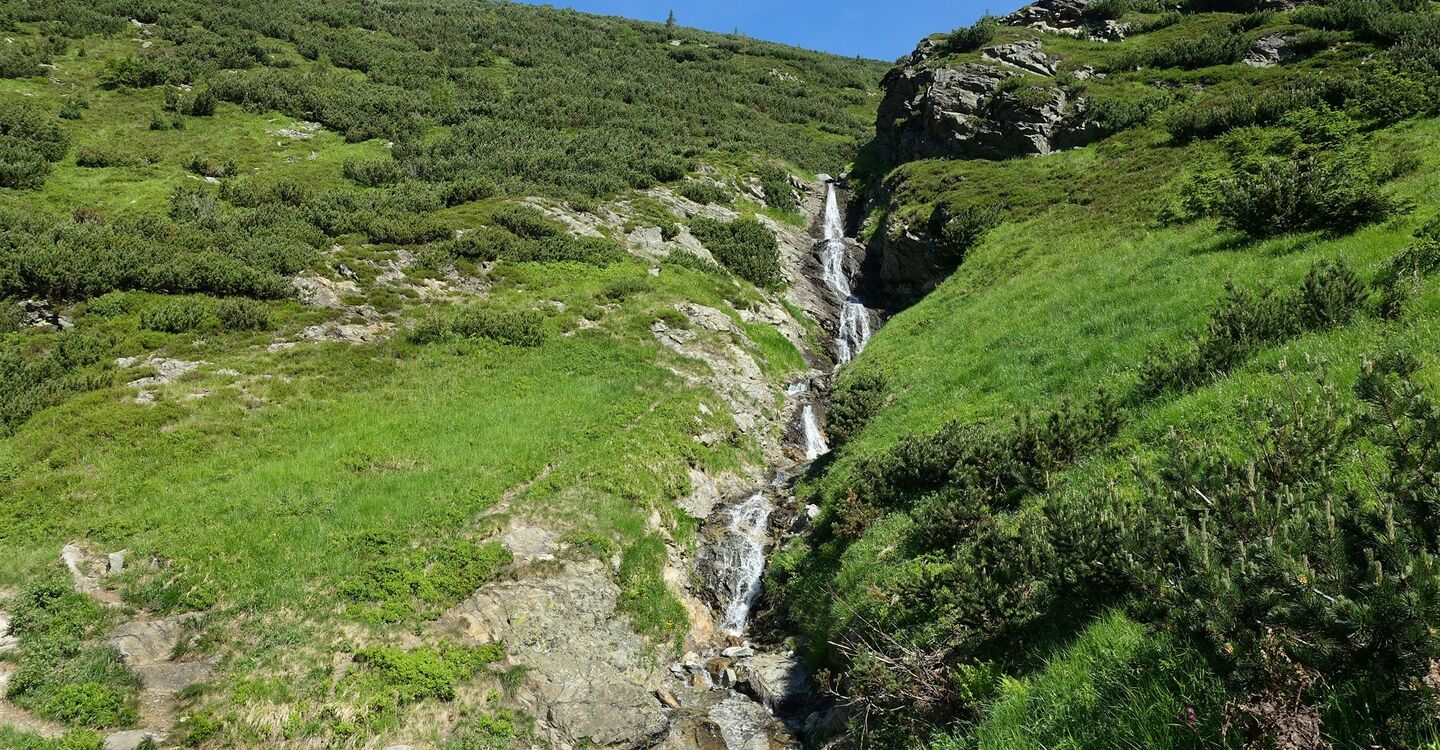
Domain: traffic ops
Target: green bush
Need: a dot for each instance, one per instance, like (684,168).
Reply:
(705,193)
(956,231)
(63,673)
(392,677)
(374,172)
(1215,48)
(526,222)
(779,193)
(856,398)
(176,315)
(687,259)
(745,246)
(108,154)
(111,305)
(510,327)
(1330,295)
(971,38)
(1315,174)
(29,143)
(498,731)
(595,251)
(42,374)
(243,315)
(626,287)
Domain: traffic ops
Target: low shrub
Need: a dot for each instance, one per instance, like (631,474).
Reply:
(484,244)
(971,38)
(1215,48)
(176,315)
(374,172)
(392,678)
(112,305)
(98,155)
(30,141)
(856,398)
(1330,295)
(595,251)
(239,314)
(744,246)
(511,327)
(403,584)
(526,222)
(687,259)
(626,287)
(779,193)
(705,193)
(1314,174)
(498,731)
(956,231)
(63,672)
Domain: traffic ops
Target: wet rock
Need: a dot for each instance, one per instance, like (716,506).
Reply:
(738,652)
(591,679)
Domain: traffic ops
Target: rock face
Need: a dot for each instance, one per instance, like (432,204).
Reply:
(932,111)
(1269,51)
(591,679)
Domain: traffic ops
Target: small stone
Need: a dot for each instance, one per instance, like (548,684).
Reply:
(738,652)
(667,698)
(117,562)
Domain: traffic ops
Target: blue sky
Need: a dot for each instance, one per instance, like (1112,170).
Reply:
(885,30)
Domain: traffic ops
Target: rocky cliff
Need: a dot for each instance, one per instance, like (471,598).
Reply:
(976,110)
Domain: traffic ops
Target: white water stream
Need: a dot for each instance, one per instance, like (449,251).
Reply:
(742,554)
(854,328)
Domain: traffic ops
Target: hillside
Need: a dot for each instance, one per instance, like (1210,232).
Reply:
(1144,456)
(471,375)
(368,373)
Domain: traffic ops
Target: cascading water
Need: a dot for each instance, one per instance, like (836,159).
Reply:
(734,563)
(743,554)
(815,445)
(854,328)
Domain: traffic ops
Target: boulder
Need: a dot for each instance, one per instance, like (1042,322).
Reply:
(1269,51)
(1025,55)
(591,680)
(132,739)
(780,682)
(934,111)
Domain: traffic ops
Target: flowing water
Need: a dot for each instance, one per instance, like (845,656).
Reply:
(739,557)
(854,327)
(743,555)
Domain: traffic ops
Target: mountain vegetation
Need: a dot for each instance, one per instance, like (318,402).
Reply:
(1153,466)
(404,359)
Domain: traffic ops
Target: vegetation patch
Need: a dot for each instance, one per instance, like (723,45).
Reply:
(63,673)
(405,585)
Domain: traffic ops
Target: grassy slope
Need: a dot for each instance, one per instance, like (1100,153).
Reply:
(1067,297)
(261,491)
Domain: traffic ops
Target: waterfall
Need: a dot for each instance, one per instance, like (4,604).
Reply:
(740,555)
(743,555)
(854,328)
(815,445)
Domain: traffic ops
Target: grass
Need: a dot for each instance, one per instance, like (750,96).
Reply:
(1118,685)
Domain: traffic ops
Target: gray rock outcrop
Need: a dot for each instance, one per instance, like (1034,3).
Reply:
(590,679)
(934,111)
